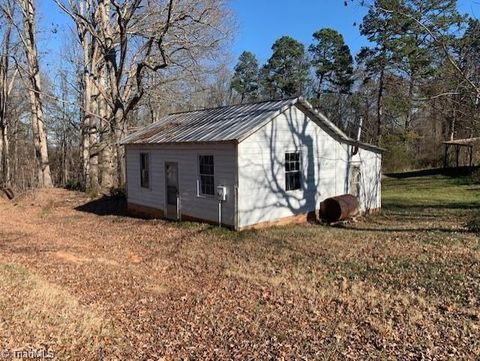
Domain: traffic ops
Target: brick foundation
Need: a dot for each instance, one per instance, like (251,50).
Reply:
(309,217)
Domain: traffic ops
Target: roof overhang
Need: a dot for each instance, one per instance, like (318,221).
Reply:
(322,121)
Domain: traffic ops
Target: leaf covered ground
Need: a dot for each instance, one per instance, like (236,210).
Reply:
(85,281)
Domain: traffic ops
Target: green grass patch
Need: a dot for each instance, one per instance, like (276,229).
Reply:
(433,191)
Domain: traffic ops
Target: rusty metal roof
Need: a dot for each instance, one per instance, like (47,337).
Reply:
(229,123)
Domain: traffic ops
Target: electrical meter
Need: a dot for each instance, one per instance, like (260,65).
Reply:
(222,193)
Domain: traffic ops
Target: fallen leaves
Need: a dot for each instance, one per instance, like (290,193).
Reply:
(158,290)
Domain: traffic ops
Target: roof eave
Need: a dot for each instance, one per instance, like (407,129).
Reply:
(235,141)
(333,130)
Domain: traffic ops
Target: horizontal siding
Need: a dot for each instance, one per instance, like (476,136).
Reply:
(371,190)
(187,158)
(325,169)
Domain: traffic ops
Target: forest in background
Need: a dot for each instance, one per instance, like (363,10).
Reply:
(130,62)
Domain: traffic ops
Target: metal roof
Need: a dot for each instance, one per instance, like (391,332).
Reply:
(209,125)
(229,123)
(463,142)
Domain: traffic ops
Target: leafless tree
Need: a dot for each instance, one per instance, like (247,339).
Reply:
(27,35)
(7,78)
(124,42)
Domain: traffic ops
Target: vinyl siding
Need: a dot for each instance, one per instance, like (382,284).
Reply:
(186,155)
(325,170)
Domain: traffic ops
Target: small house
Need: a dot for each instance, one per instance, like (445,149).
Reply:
(247,165)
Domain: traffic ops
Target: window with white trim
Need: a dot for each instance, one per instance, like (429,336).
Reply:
(292,171)
(355,180)
(144,170)
(206,170)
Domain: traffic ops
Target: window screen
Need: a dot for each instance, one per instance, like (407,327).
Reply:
(206,172)
(292,171)
(355,180)
(144,170)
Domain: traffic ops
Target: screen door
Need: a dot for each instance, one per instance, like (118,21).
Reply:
(171,180)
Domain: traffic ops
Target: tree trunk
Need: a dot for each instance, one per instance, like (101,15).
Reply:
(451,130)
(411,88)
(90,101)
(5,88)
(85,128)
(5,152)
(2,169)
(64,154)
(93,184)
(381,86)
(107,159)
(106,143)
(44,178)
(119,150)
(14,153)
(107,110)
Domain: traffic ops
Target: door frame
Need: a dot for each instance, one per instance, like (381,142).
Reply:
(175,215)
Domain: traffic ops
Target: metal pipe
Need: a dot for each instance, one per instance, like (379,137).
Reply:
(220,213)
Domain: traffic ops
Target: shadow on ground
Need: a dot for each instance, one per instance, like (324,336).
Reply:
(411,230)
(450,172)
(105,206)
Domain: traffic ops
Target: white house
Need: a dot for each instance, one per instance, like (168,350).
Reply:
(247,165)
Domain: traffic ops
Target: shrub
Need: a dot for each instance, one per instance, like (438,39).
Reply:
(475,176)
(73,185)
(119,192)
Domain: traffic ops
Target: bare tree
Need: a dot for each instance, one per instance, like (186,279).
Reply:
(134,38)
(28,38)
(7,79)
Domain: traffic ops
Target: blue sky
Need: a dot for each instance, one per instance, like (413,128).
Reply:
(259,24)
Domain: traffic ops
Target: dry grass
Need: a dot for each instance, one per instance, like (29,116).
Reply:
(37,315)
(400,285)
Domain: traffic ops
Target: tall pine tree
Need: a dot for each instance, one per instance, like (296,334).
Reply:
(245,78)
(286,72)
(401,31)
(332,61)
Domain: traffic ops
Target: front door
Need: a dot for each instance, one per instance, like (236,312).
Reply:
(171,181)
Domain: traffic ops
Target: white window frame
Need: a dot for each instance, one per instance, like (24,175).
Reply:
(300,169)
(148,164)
(358,182)
(199,176)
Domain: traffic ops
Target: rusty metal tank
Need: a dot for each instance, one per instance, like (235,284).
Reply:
(339,208)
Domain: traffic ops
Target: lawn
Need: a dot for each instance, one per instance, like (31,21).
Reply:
(403,284)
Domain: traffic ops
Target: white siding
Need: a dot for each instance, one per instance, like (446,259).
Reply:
(326,167)
(187,158)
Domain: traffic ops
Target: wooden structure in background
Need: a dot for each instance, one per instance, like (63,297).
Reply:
(458,145)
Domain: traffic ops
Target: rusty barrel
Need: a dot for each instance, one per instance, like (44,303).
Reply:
(339,208)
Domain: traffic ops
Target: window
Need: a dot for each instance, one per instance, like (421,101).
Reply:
(355,180)
(206,172)
(292,171)
(144,170)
